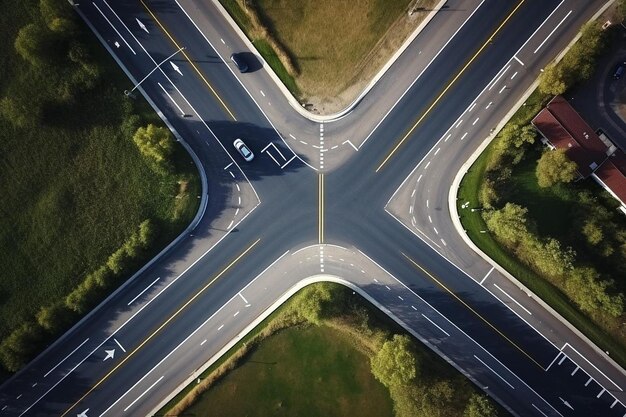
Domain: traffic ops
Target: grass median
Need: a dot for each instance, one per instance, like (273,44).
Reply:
(329,49)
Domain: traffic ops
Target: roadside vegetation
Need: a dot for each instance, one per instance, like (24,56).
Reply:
(324,352)
(93,184)
(326,51)
(564,240)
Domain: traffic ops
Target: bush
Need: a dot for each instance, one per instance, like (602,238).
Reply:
(479,406)
(395,364)
(156,144)
(17,349)
(55,317)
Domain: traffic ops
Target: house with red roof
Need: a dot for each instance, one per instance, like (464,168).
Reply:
(593,152)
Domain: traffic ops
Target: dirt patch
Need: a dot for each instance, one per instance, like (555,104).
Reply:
(338,46)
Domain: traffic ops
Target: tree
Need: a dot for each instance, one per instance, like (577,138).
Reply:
(155,143)
(553,80)
(551,259)
(553,167)
(592,232)
(312,302)
(479,406)
(590,293)
(437,399)
(395,364)
(509,224)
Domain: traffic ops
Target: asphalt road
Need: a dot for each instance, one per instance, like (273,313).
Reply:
(317,202)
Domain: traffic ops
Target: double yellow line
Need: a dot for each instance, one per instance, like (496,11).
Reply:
(450,84)
(321,207)
(161,327)
(505,337)
(202,77)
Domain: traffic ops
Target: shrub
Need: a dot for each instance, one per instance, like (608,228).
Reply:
(155,143)
(22,343)
(55,317)
(395,364)
(479,406)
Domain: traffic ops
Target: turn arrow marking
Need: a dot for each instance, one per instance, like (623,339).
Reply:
(110,354)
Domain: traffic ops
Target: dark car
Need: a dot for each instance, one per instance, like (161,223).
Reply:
(619,71)
(239,62)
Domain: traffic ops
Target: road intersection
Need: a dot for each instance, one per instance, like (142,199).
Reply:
(339,200)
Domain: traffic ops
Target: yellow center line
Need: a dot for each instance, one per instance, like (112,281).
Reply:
(154,333)
(450,84)
(474,311)
(321,208)
(189,60)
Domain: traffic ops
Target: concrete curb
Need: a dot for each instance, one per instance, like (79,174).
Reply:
(454,214)
(286,296)
(292,100)
(192,225)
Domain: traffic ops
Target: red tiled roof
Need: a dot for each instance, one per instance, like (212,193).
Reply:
(613,174)
(560,124)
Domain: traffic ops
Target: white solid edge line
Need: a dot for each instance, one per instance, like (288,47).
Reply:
(144,393)
(594,367)
(539,27)
(185,98)
(63,360)
(193,333)
(553,30)
(513,299)
(420,74)
(476,99)
(435,324)
(463,332)
(491,369)
(244,87)
(114,28)
(141,293)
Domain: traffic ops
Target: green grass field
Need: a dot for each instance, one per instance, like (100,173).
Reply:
(74,186)
(299,372)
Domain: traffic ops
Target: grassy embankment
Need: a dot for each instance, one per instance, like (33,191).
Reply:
(75,187)
(315,356)
(558,212)
(319,49)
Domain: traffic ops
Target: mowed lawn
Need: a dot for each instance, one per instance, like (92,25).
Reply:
(73,186)
(313,371)
(330,39)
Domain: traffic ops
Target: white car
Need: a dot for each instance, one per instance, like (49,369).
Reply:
(243,149)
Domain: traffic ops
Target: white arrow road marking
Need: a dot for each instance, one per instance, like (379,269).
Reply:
(110,354)
(141,25)
(83,414)
(568,405)
(176,68)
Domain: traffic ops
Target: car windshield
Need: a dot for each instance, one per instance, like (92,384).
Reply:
(245,151)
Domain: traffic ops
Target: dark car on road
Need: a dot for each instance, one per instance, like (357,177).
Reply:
(619,70)
(239,62)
